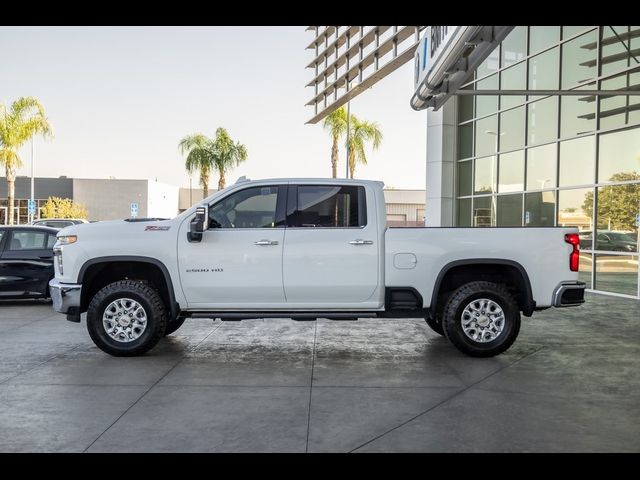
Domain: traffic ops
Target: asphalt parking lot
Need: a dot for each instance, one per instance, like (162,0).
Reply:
(570,383)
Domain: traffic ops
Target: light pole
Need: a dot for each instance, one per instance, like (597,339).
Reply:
(493,163)
(348,136)
(32,215)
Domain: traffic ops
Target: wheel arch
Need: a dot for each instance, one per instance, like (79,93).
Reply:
(89,270)
(517,272)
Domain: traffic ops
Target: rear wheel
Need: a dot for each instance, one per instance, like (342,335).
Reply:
(126,318)
(481,319)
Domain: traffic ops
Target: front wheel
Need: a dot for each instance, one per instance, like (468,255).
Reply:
(126,318)
(481,319)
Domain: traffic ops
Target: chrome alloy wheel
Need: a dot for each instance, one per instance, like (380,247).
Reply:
(482,320)
(124,320)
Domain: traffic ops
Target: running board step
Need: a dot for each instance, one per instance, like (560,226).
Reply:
(300,316)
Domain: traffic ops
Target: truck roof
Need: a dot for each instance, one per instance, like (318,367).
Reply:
(340,181)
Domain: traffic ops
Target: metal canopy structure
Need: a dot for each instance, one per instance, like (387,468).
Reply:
(347,60)
(448,55)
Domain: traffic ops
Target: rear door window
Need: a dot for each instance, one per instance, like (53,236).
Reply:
(27,240)
(326,206)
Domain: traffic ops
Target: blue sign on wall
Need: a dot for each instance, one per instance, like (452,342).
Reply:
(134,209)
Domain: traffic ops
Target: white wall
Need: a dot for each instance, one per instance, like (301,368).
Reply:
(162,200)
(440,165)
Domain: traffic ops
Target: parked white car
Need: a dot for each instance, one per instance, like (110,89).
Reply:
(305,249)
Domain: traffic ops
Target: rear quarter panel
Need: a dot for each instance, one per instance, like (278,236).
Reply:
(542,252)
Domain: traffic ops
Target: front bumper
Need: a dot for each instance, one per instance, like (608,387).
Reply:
(569,294)
(66,298)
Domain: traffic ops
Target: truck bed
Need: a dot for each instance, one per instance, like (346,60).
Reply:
(541,252)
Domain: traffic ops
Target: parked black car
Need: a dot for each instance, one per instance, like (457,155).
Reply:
(26,261)
(609,240)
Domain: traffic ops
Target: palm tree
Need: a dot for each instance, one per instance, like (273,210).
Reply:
(19,124)
(199,158)
(336,124)
(362,132)
(226,154)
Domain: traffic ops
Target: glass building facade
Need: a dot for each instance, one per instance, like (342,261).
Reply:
(536,161)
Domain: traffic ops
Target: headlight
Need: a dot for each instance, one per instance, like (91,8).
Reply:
(67,239)
(57,254)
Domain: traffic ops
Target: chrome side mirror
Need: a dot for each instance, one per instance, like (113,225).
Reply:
(199,224)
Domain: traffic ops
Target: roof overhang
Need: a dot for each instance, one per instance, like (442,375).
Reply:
(446,58)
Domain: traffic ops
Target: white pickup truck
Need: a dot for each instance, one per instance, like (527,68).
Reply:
(307,249)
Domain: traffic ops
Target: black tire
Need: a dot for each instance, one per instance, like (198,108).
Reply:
(147,297)
(454,309)
(174,325)
(435,324)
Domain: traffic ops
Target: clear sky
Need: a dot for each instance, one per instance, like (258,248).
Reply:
(120,99)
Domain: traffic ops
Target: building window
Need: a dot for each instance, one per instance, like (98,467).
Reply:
(464,212)
(542,121)
(542,37)
(465,177)
(541,167)
(543,70)
(511,172)
(619,156)
(509,210)
(484,212)
(512,129)
(513,78)
(486,136)
(486,104)
(485,176)
(540,209)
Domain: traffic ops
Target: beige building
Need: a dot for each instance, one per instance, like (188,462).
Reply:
(405,208)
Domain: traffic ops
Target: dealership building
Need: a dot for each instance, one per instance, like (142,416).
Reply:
(528,126)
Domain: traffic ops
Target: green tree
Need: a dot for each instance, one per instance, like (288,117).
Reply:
(199,158)
(18,125)
(56,207)
(336,124)
(226,154)
(361,133)
(617,204)
(205,154)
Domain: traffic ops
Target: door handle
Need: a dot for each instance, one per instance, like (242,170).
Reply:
(266,242)
(359,241)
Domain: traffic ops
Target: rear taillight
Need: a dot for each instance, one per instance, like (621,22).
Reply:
(574,258)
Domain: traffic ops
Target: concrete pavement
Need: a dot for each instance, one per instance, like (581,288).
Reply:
(571,382)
